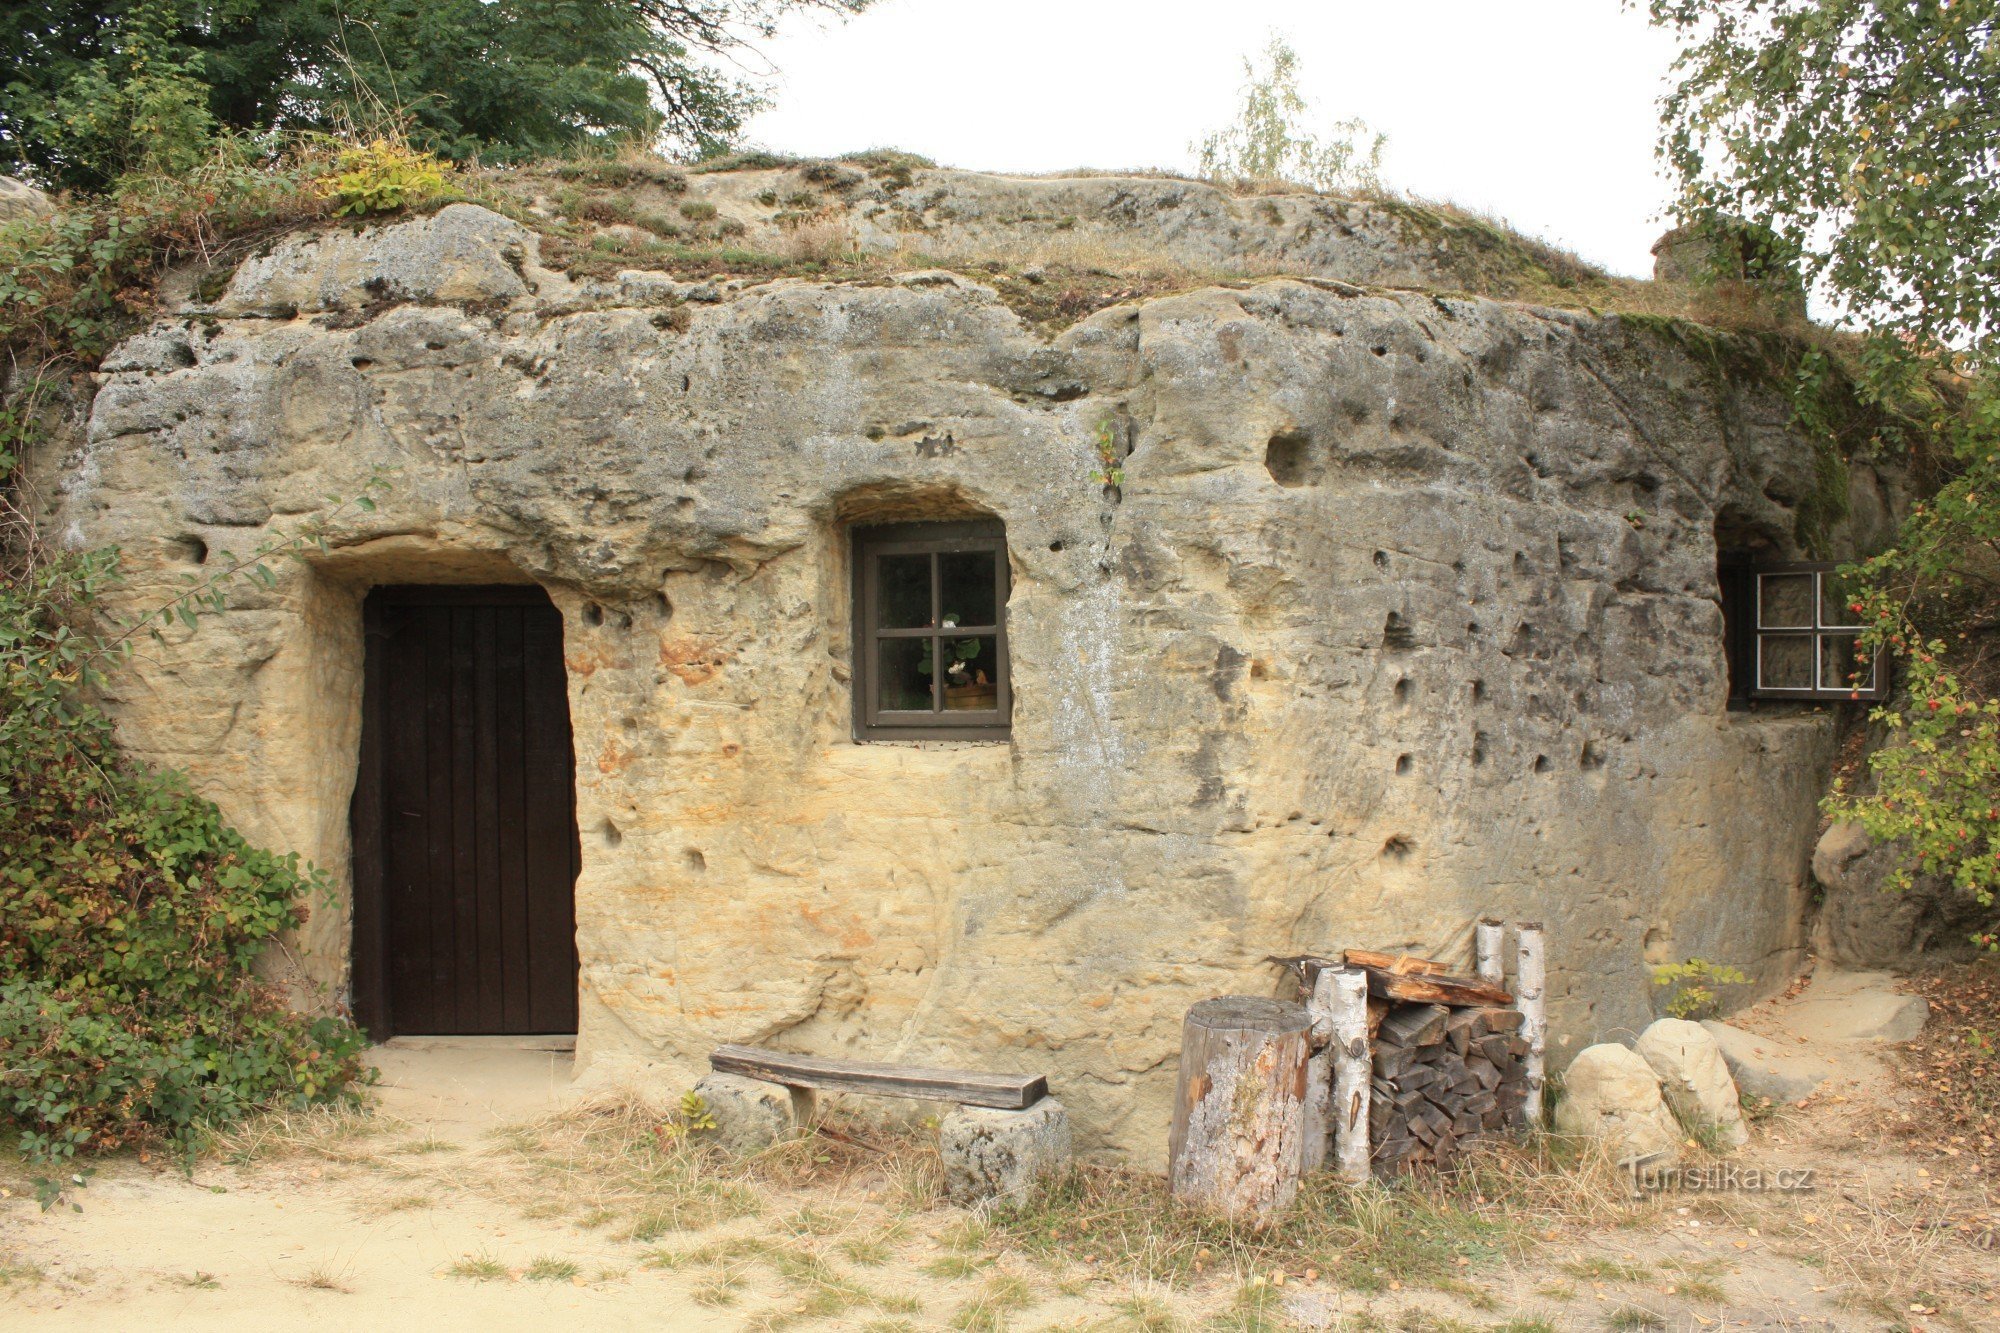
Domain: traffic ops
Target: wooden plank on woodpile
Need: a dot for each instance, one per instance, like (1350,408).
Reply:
(1400,963)
(1502,1020)
(1431,988)
(1006,1092)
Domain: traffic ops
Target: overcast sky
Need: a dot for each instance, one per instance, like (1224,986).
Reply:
(1541,111)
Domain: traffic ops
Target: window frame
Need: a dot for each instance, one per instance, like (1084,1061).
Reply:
(1758,634)
(875,723)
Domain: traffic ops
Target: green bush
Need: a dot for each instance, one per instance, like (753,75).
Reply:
(131,914)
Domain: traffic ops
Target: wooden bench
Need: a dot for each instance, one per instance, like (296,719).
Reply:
(967,1087)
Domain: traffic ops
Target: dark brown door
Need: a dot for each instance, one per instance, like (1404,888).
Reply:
(464,817)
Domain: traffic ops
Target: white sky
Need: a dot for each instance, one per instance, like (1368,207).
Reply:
(1540,111)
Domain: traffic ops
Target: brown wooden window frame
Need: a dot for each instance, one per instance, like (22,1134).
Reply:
(873,722)
(1760,635)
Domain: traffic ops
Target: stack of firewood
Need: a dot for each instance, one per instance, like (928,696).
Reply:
(1443,1076)
(1448,1059)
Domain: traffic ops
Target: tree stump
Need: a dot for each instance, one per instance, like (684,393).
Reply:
(1239,1110)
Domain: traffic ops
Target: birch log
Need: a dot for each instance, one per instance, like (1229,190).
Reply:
(1530,977)
(1487,939)
(1317,1136)
(1351,1072)
(1239,1109)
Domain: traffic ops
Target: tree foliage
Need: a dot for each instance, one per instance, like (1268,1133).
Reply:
(96,91)
(1270,140)
(1865,136)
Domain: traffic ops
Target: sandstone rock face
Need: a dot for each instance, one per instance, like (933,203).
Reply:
(991,1154)
(1403,614)
(1610,1093)
(1864,920)
(1694,1078)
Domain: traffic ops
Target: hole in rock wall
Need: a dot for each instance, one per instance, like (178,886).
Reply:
(1591,759)
(1403,690)
(1381,560)
(1288,458)
(593,614)
(1542,764)
(609,832)
(191,549)
(1478,690)
(663,607)
(1403,765)
(1741,543)
(1398,847)
(1478,747)
(695,860)
(1396,633)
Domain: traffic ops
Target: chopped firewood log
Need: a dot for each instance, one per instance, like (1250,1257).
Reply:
(1414,1026)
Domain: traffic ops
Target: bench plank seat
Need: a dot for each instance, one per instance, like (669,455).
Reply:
(967,1087)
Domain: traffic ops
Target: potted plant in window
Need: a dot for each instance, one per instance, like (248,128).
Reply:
(965,686)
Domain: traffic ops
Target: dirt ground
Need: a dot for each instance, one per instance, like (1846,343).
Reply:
(471,1195)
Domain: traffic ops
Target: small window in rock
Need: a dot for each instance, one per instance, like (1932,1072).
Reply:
(930,632)
(1793,634)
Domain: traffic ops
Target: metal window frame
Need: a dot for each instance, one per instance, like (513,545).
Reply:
(1816,634)
(872,722)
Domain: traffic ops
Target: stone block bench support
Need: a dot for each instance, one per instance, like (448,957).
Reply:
(1004,1132)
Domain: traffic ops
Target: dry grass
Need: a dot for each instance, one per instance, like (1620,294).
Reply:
(344,1134)
(616,1160)
(818,238)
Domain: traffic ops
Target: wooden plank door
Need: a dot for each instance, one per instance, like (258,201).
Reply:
(465,835)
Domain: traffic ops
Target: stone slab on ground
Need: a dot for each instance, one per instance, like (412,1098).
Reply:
(1610,1093)
(1762,1067)
(1857,1006)
(1694,1077)
(751,1115)
(991,1154)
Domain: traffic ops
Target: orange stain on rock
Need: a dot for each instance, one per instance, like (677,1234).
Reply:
(695,661)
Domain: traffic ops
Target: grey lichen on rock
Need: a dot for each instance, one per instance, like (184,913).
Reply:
(999,1155)
(747,1116)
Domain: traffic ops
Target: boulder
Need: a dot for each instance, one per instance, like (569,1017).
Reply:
(464,253)
(1695,1078)
(749,1114)
(1610,1093)
(1762,1067)
(990,1154)
(18,199)
(1864,920)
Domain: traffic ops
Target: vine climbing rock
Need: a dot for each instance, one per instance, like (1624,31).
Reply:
(1694,1078)
(18,199)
